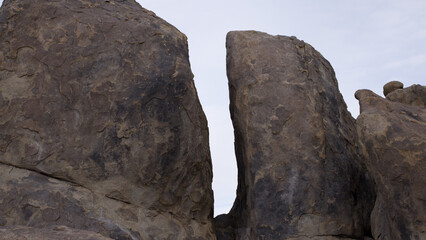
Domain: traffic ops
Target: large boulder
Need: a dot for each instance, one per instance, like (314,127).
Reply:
(299,172)
(392,86)
(392,136)
(100,94)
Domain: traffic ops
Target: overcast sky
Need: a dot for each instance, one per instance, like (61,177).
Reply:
(368,43)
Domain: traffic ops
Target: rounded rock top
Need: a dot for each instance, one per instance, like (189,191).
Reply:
(392,86)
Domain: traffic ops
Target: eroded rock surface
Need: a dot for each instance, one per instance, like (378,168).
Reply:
(99,94)
(50,233)
(33,199)
(392,136)
(392,86)
(299,171)
(414,95)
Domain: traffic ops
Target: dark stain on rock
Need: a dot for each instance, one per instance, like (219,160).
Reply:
(98,159)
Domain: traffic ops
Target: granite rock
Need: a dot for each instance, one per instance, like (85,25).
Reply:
(35,200)
(392,86)
(392,136)
(414,95)
(99,94)
(299,172)
(50,233)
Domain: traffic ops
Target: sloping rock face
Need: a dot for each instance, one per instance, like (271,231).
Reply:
(51,233)
(32,199)
(298,165)
(392,136)
(99,96)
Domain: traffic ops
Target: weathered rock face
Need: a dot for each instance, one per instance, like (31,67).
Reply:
(32,199)
(392,86)
(392,136)
(299,175)
(51,233)
(414,95)
(100,94)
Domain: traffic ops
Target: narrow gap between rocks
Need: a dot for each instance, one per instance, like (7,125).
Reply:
(223,157)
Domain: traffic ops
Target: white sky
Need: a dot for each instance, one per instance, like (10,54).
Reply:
(368,43)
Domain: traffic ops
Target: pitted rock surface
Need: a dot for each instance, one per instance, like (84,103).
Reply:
(392,136)
(299,172)
(100,94)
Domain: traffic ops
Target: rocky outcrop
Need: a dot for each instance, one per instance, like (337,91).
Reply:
(392,136)
(414,95)
(300,175)
(102,135)
(392,86)
(100,125)
(50,233)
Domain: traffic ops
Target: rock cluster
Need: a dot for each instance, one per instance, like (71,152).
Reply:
(307,169)
(414,95)
(392,136)
(102,135)
(101,128)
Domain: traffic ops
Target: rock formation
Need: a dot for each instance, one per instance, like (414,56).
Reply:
(50,233)
(392,136)
(300,174)
(414,95)
(392,86)
(101,128)
(102,135)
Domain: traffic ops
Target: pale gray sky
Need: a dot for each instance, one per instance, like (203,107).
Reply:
(368,43)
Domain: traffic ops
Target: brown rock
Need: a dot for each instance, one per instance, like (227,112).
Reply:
(392,86)
(299,175)
(392,137)
(51,233)
(414,95)
(33,199)
(100,94)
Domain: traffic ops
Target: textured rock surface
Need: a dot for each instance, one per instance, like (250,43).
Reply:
(393,139)
(100,94)
(392,86)
(295,143)
(35,200)
(51,233)
(414,95)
